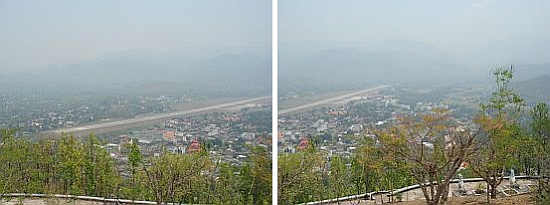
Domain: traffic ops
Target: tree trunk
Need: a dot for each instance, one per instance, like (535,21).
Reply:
(487,194)
(493,191)
(445,195)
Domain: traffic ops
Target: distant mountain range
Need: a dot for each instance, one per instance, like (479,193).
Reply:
(346,65)
(531,71)
(241,73)
(353,65)
(535,90)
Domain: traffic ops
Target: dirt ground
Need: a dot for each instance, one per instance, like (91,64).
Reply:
(416,197)
(471,200)
(48,202)
(521,199)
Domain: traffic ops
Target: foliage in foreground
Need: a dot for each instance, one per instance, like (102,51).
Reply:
(433,148)
(70,166)
(313,175)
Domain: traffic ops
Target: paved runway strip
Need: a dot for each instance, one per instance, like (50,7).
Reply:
(329,100)
(153,118)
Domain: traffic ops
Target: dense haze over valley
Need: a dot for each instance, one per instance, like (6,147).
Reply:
(336,45)
(209,48)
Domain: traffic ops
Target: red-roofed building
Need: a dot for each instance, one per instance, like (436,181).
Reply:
(170,135)
(303,145)
(194,146)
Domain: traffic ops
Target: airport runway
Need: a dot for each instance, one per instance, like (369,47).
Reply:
(122,123)
(330,100)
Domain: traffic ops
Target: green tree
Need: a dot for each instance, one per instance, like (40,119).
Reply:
(132,188)
(228,186)
(134,157)
(261,175)
(86,168)
(174,178)
(367,166)
(100,174)
(301,177)
(63,166)
(432,148)
(540,127)
(70,156)
(19,165)
(501,131)
(339,178)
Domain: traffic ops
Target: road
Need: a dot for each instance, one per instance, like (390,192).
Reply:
(123,123)
(330,100)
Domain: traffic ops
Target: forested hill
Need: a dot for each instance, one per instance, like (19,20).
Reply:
(524,72)
(535,89)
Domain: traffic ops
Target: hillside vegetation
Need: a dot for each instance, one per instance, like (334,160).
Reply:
(83,167)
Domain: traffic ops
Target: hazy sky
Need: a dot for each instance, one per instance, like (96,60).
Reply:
(40,33)
(472,31)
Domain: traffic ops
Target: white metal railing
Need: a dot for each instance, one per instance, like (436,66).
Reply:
(347,198)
